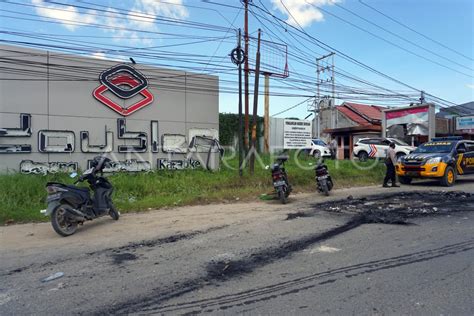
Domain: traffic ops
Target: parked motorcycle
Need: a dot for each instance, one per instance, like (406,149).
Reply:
(70,205)
(280,179)
(324,182)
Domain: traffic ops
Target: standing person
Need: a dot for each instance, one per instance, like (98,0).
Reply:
(333,147)
(390,162)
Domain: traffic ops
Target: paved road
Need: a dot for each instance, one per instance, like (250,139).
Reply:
(246,259)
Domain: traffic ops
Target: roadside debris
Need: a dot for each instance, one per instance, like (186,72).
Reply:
(296,215)
(52,277)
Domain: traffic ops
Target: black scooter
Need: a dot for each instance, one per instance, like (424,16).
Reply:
(69,205)
(324,182)
(280,179)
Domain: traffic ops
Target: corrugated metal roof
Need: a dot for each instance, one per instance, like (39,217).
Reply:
(362,114)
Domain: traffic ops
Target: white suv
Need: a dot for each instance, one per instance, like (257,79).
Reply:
(319,149)
(366,148)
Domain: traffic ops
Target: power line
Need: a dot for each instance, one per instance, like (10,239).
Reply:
(329,48)
(415,31)
(309,60)
(391,43)
(293,106)
(401,37)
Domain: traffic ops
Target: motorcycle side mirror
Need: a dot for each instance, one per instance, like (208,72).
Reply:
(267,167)
(73,175)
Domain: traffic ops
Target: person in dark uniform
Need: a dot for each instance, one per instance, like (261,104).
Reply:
(390,162)
(333,147)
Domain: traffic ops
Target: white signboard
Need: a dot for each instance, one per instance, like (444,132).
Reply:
(465,123)
(297,134)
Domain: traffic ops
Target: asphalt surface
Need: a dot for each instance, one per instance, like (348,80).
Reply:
(368,250)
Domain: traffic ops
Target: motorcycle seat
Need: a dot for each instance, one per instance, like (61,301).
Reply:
(282,158)
(69,186)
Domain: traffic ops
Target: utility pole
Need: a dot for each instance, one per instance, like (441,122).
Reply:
(255,107)
(320,69)
(241,140)
(237,57)
(422,97)
(246,72)
(241,145)
(266,115)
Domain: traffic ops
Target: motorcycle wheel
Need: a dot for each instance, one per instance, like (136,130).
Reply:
(61,223)
(324,187)
(330,185)
(282,196)
(114,213)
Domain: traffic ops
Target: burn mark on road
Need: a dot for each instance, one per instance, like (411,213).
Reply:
(396,208)
(291,216)
(151,243)
(386,209)
(120,258)
(223,270)
(129,248)
(288,287)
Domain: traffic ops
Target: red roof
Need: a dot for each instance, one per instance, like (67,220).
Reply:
(362,114)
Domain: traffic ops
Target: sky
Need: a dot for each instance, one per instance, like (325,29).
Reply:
(424,44)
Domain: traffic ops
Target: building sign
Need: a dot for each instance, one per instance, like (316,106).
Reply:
(167,164)
(415,119)
(61,125)
(465,123)
(125,82)
(297,134)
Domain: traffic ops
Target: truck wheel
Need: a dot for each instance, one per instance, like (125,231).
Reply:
(405,180)
(449,177)
(363,156)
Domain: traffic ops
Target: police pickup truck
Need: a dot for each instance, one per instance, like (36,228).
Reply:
(443,158)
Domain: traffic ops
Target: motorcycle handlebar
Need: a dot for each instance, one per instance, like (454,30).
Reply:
(81,179)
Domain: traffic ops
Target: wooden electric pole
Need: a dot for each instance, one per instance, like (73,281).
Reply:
(266,116)
(237,56)
(246,73)
(241,141)
(253,147)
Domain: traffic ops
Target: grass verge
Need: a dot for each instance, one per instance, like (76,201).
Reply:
(22,196)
